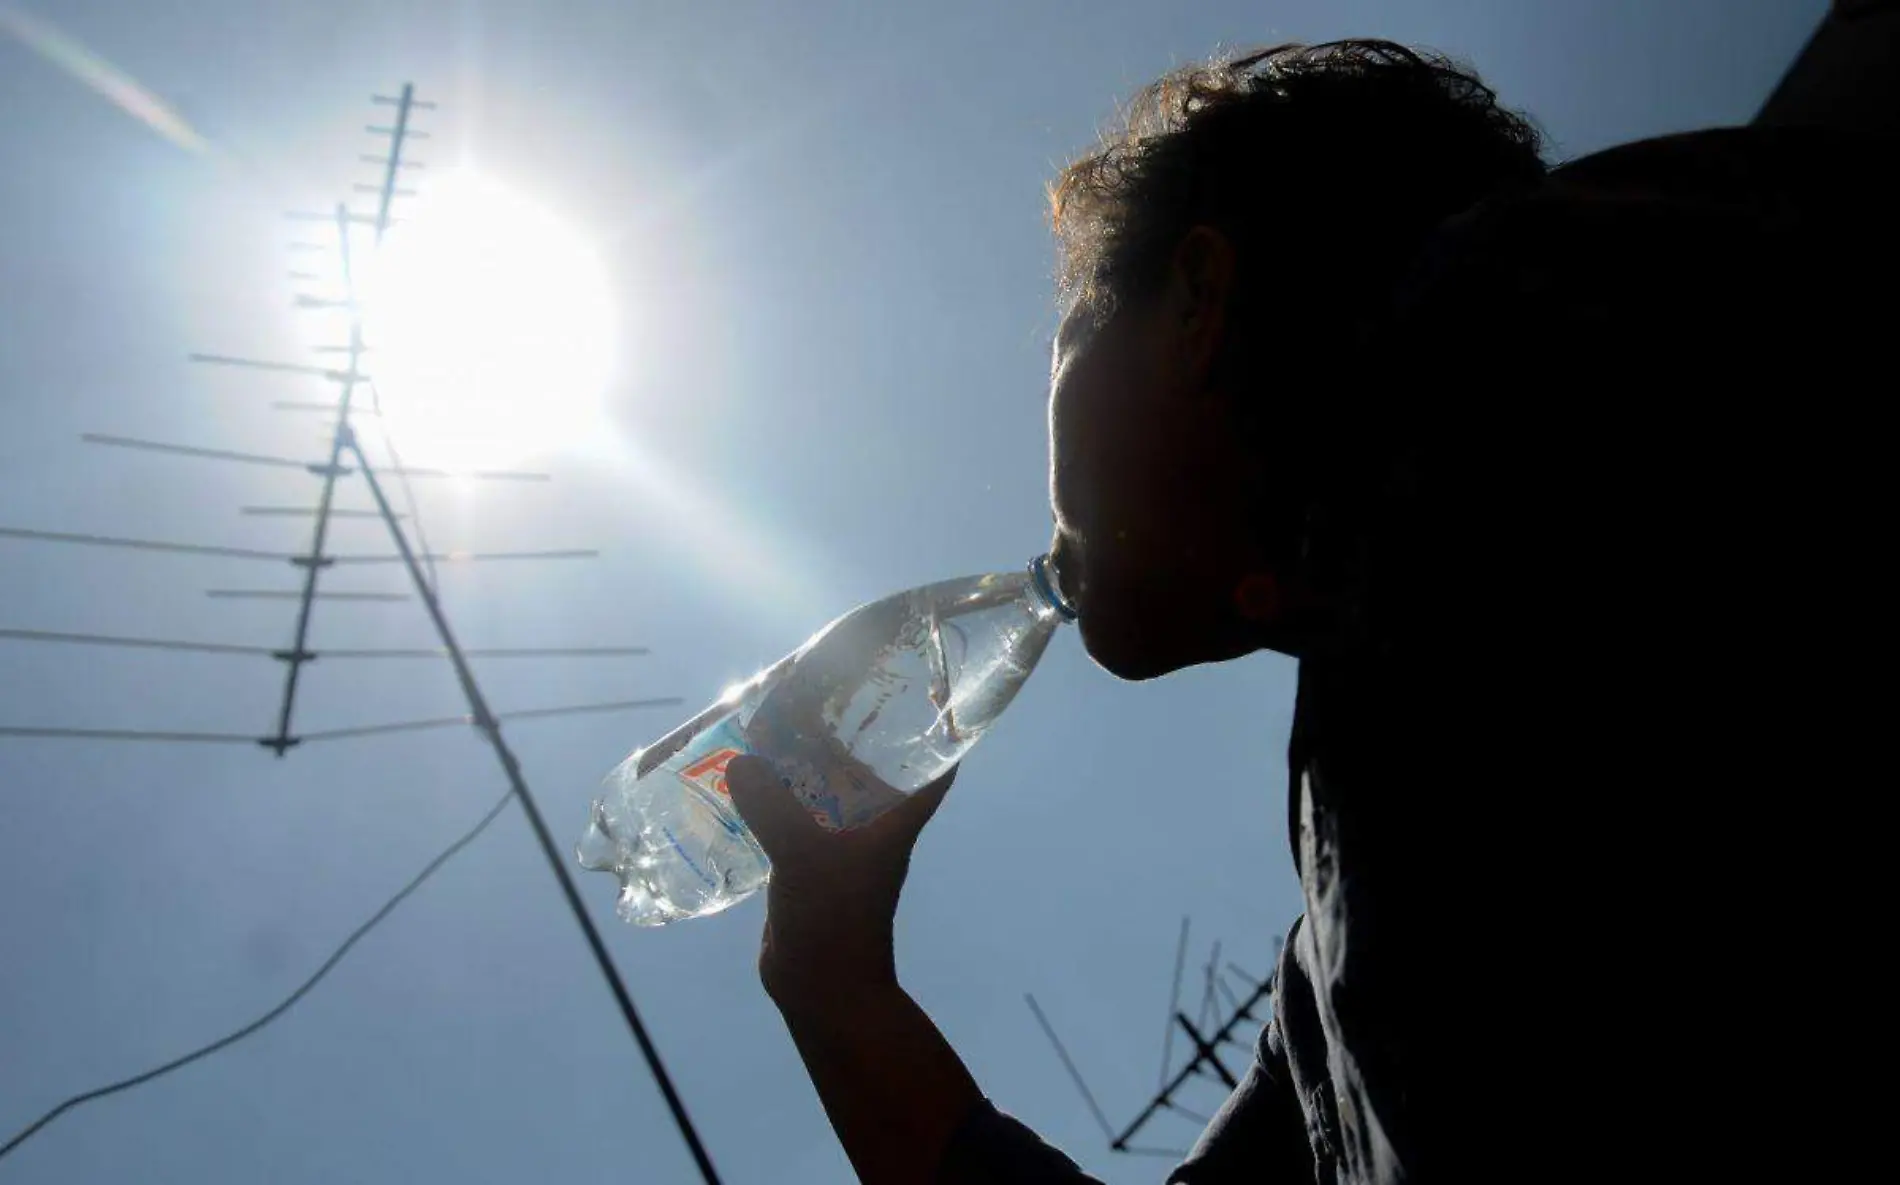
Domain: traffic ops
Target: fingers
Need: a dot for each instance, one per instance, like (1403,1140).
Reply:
(772,811)
(784,827)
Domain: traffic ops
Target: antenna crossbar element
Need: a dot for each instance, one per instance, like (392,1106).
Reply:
(280,744)
(471,475)
(337,734)
(122,641)
(241,553)
(1207,996)
(468,557)
(285,594)
(306,512)
(320,469)
(521,714)
(295,560)
(502,652)
(322,372)
(1227,993)
(126,734)
(1174,1005)
(314,405)
(15,635)
(350,218)
(184,450)
(1186,1112)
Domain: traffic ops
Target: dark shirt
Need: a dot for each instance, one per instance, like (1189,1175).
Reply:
(1583,785)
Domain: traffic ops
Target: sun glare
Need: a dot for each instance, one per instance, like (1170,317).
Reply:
(490,327)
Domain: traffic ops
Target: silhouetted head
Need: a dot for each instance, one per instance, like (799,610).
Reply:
(1219,256)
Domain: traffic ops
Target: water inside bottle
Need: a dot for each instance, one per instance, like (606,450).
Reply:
(917,681)
(876,705)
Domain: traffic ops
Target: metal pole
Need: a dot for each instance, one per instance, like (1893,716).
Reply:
(490,728)
(396,137)
(299,652)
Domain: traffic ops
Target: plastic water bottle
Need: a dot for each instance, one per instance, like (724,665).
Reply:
(876,705)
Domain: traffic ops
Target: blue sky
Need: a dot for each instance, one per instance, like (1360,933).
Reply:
(823,227)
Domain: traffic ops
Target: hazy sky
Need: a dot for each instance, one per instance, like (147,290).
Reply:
(823,228)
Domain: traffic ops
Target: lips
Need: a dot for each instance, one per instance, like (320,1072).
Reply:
(1068,578)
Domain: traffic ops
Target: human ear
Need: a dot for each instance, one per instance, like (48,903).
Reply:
(1200,283)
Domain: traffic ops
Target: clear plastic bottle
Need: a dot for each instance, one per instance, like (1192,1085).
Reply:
(876,705)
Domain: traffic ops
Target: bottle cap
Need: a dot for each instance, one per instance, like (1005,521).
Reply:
(1042,575)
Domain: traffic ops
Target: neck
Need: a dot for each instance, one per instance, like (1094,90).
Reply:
(1316,523)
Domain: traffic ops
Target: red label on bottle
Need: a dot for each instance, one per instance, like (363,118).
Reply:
(710,770)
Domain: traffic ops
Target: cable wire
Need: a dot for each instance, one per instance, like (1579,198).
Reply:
(468,837)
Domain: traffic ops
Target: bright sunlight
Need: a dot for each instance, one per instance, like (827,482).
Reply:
(490,327)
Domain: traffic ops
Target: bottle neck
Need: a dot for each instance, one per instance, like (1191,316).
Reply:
(1042,579)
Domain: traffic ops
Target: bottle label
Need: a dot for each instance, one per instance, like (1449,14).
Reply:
(702,763)
(833,792)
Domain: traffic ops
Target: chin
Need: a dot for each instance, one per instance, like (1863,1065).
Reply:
(1128,650)
(1131,654)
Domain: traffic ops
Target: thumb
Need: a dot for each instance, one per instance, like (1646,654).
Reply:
(767,805)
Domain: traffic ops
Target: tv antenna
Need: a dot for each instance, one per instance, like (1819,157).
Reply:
(345,459)
(1234,1006)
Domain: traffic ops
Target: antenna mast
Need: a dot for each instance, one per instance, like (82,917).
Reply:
(346,459)
(1250,1007)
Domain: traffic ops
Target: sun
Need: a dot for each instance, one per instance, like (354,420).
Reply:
(490,327)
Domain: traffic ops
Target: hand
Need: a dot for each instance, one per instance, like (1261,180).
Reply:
(832,901)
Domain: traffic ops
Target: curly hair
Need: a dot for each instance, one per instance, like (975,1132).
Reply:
(1326,165)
